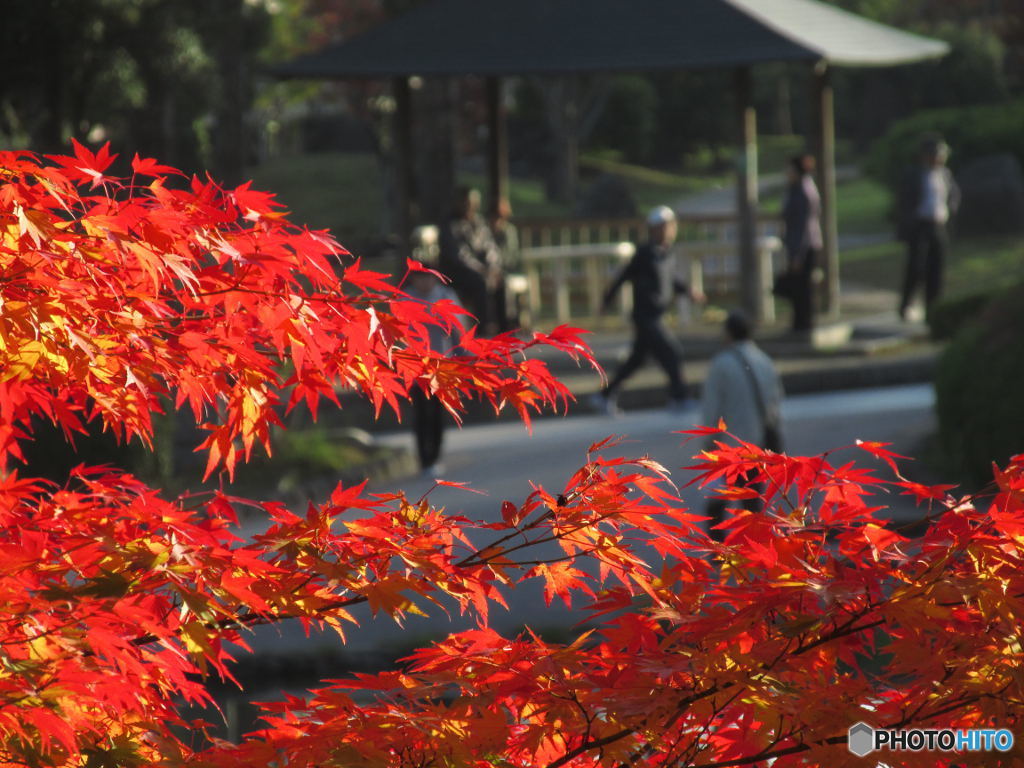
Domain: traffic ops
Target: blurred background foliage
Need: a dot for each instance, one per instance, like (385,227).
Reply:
(191,82)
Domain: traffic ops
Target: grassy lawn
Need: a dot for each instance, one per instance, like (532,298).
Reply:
(330,190)
(862,206)
(976,264)
(344,193)
(985,264)
(650,187)
(526,196)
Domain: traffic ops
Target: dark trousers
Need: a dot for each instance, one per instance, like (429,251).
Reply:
(486,303)
(926,254)
(472,290)
(651,338)
(428,424)
(803,293)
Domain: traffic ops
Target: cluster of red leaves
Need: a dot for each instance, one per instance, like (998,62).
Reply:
(118,605)
(120,295)
(809,617)
(123,292)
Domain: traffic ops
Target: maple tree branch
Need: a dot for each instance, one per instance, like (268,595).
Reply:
(467,561)
(589,745)
(849,629)
(687,701)
(253,619)
(521,529)
(768,755)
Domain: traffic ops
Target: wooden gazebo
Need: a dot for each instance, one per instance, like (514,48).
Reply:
(498,38)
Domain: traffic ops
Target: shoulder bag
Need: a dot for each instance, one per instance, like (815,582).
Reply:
(772,439)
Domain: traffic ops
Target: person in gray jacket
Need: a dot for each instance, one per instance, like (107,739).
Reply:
(744,390)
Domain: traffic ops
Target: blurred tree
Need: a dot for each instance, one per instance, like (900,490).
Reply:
(303,26)
(572,106)
(627,123)
(694,116)
(975,72)
(168,78)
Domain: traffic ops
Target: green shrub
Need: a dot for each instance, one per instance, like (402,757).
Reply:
(949,315)
(627,123)
(971,132)
(978,389)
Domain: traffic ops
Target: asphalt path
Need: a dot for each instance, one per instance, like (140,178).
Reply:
(503,461)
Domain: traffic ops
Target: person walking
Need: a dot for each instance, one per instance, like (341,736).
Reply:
(429,416)
(929,197)
(655,283)
(801,215)
(744,390)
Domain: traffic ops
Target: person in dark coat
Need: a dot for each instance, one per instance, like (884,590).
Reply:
(929,197)
(801,215)
(472,260)
(655,284)
(429,416)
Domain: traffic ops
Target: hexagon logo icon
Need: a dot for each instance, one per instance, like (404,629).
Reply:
(860,739)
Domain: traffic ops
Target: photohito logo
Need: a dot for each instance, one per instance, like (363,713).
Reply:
(862,739)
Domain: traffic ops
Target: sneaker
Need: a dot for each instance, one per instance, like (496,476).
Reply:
(434,470)
(604,404)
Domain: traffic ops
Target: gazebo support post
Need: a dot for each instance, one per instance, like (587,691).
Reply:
(405,165)
(751,279)
(825,149)
(497,144)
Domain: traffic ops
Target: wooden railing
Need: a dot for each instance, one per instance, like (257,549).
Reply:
(569,262)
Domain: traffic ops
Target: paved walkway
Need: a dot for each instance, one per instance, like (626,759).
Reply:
(881,350)
(500,461)
(867,346)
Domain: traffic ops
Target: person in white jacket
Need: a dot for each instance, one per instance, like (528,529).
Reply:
(744,390)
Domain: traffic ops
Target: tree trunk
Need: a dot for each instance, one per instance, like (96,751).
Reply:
(230,139)
(783,106)
(435,126)
(572,108)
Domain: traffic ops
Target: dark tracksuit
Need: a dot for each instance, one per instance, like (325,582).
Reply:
(428,414)
(651,271)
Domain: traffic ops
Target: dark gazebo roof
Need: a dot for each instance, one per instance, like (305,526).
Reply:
(508,37)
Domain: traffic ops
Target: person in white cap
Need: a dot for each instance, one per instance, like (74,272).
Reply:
(428,415)
(655,284)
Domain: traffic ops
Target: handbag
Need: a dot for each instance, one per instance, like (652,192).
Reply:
(772,438)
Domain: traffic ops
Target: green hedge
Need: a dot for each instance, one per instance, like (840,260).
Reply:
(948,315)
(979,392)
(971,132)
